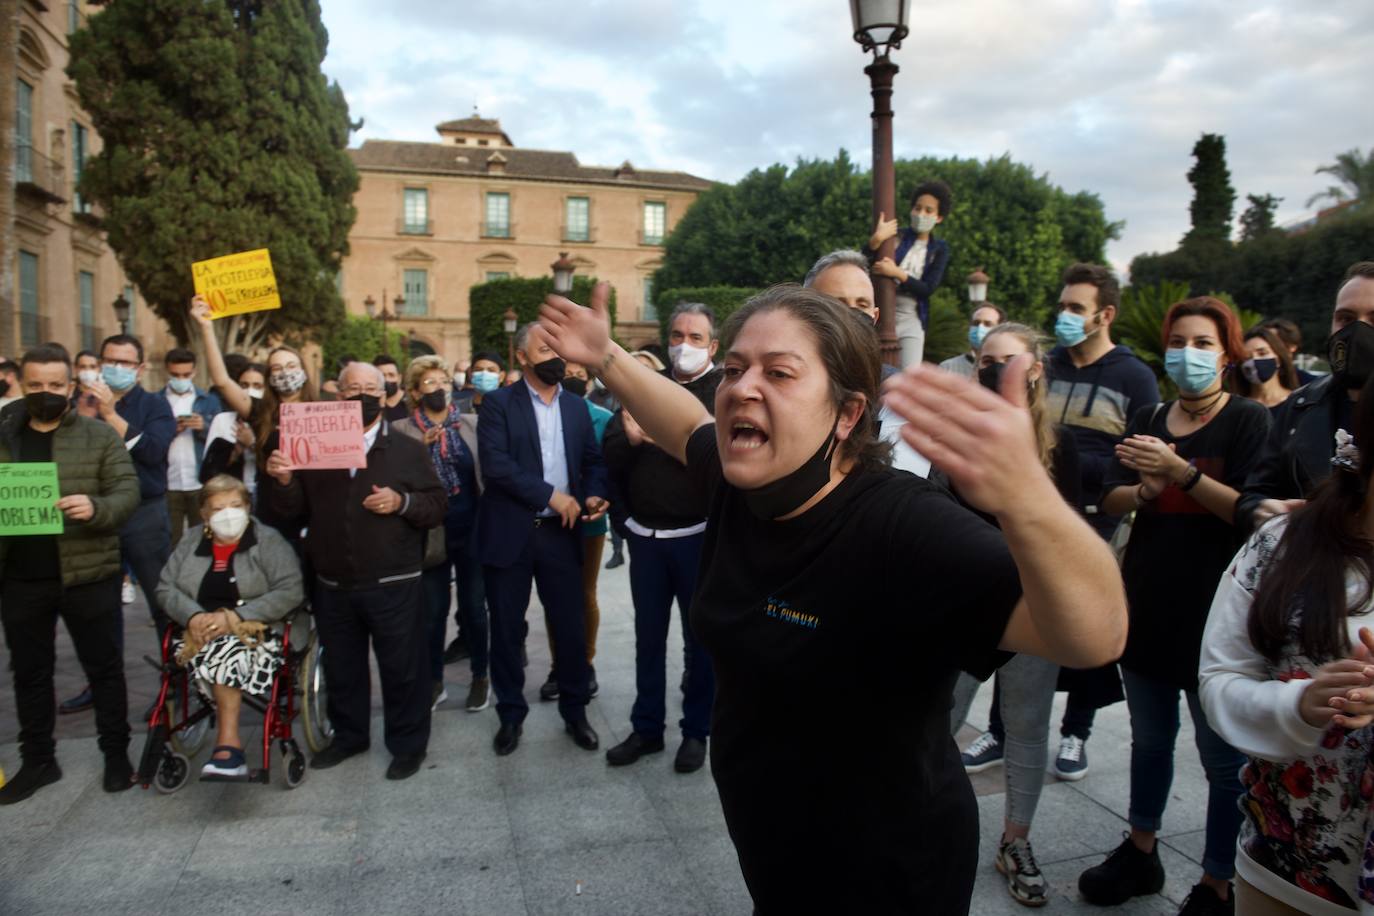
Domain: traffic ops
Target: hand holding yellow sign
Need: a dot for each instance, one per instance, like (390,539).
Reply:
(237,283)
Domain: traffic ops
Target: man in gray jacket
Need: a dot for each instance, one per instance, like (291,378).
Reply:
(74,575)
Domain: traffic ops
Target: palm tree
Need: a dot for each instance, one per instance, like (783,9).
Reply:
(1355,171)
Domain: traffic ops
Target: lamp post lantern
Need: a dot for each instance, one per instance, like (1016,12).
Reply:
(384,316)
(121,310)
(508,321)
(562,274)
(978,286)
(880,26)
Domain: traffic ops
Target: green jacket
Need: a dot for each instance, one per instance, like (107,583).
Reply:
(91,460)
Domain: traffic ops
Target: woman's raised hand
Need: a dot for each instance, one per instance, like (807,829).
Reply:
(579,335)
(200,310)
(984,442)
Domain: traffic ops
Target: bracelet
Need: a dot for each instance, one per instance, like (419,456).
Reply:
(1140,498)
(1194,475)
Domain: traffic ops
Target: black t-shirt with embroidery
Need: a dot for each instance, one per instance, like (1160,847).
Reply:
(837,637)
(1179,549)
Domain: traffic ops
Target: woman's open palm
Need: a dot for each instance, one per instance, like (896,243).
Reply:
(579,335)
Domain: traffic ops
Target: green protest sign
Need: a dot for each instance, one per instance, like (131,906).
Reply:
(28,498)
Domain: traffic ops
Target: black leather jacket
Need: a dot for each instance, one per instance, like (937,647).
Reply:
(1297,455)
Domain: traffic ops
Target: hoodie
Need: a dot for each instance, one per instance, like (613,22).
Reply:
(1095,402)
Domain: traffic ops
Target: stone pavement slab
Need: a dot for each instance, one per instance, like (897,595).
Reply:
(476,834)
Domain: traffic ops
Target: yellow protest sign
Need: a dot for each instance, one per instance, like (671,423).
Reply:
(237,283)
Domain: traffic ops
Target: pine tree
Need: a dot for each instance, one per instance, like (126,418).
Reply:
(1214,199)
(221,134)
(1258,218)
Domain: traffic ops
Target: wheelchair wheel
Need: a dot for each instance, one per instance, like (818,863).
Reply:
(293,764)
(314,707)
(189,741)
(173,772)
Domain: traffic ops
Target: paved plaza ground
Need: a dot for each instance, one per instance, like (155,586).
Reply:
(473,833)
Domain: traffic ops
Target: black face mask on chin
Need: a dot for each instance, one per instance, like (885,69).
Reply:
(786,494)
(1351,352)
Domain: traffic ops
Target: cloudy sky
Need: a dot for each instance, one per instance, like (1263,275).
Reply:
(1103,95)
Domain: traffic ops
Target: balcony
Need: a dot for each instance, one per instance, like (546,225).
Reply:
(34,329)
(37,177)
(91,335)
(502,230)
(580,234)
(648,238)
(414,227)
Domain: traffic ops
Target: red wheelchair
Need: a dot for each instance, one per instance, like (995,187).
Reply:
(182,719)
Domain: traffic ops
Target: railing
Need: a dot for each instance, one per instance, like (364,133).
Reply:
(579,235)
(34,329)
(39,176)
(414,227)
(91,335)
(646,238)
(504,230)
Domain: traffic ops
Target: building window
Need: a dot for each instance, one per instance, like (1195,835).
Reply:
(129,298)
(649,312)
(85,285)
(416,219)
(498,275)
(417,294)
(73,15)
(655,222)
(79,152)
(577,219)
(30,328)
(497,224)
(23,132)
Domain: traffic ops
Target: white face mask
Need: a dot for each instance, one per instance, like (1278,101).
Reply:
(88,377)
(254,393)
(923,223)
(459,379)
(229,524)
(687,359)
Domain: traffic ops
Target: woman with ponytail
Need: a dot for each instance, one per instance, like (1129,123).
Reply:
(1286,677)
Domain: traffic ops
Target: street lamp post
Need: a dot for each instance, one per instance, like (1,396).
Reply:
(121,310)
(508,321)
(562,274)
(977,287)
(370,306)
(880,26)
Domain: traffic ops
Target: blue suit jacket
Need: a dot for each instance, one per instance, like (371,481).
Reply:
(513,469)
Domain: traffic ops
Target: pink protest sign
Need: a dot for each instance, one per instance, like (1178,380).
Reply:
(323,434)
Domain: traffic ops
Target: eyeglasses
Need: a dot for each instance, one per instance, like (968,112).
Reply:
(430,384)
(121,363)
(350,391)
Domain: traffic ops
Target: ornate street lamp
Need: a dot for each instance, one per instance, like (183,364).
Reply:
(508,321)
(121,310)
(370,306)
(978,286)
(563,274)
(880,26)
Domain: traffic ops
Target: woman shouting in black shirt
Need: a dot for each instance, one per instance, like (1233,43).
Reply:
(823,565)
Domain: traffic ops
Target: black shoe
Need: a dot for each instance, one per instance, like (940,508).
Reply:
(79,703)
(583,735)
(549,689)
(1127,873)
(119,773)
(593,688)
(632,748)
(404,766)
(334,755)
(456,651)
(691,754)
(30,778)
(1203,901)
(617,559)
(507,739)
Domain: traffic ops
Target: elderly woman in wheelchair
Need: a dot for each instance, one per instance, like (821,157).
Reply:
(225,584)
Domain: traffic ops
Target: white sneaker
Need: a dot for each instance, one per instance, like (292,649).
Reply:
(440,695)
(1025,882)
(126,592)
(1072,762)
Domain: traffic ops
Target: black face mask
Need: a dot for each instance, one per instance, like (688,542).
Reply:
(550,371)
(45,406)
(1351,352)
(575,385)
(372,407)
(1260,370)
(786,494)
(435,401)
(391,388)
(990,377)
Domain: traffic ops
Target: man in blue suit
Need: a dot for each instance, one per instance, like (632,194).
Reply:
(543,476)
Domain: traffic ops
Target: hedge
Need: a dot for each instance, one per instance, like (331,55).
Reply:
(723,300)
(487,304)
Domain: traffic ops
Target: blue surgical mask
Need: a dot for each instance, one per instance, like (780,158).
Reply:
(486,382)
(976,334)
(1069,329)
(181,385)
(1192,370)
(120,378)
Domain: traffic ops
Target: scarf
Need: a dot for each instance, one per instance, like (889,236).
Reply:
(445,450)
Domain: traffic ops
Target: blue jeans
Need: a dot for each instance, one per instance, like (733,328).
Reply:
(1154,729)
(662,569)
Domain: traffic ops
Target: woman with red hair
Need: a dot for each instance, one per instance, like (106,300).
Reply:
(1180,466)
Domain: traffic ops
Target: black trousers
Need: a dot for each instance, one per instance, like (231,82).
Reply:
(552,562)
(29,610)
(393,618)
